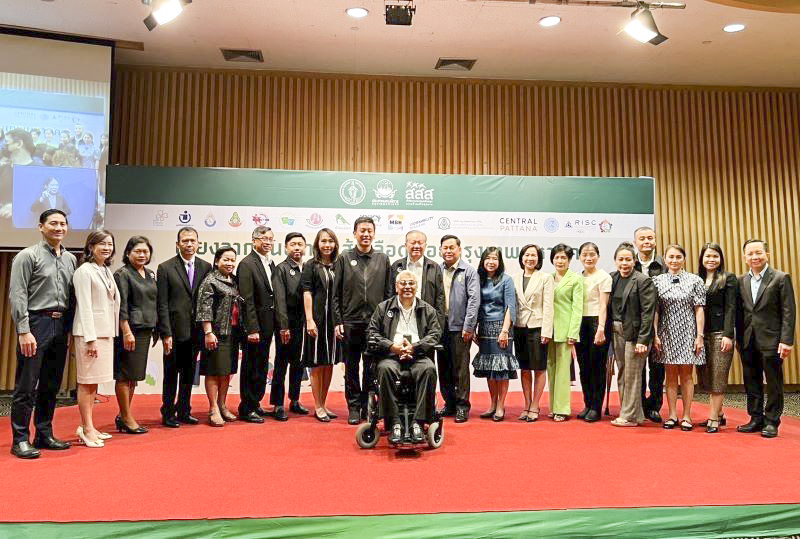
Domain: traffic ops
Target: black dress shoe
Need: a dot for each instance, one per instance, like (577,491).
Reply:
(188,419)
(448,412)
(582,413)
(653,416)
(592,416)
(751,426)
(354,417)
(280,414)
(252,417)
(462,414)
(296,408)
(396,434)
(325,418)
(170,422)
(769,431)
(260,411)
(25,450)
(416,433)
(49,442)
(125,429)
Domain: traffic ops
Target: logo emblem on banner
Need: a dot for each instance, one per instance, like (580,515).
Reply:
(550,224)
(418,195)
(210,220)
(395,222)
(260,219)
(605,226)
(235,221)
(315,221)
(185,217)
(160,217)
(352,192)
(340,220)
(444,223)
(287,220)
(384,194)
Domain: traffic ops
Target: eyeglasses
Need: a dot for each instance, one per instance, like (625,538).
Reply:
(407,283)
(266,239)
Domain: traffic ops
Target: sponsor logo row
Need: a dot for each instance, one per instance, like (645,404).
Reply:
(416,194)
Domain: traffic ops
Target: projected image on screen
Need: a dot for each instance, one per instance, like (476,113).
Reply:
(71,190)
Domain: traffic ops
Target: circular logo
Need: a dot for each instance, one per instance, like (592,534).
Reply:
(353,262)
(352,192)
(291,272)
(390,314)
(444,223)
(550,224)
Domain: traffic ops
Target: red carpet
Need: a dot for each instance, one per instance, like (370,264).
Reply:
(305,468)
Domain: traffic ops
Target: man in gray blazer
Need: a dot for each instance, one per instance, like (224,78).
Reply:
(765,324)
(462,298)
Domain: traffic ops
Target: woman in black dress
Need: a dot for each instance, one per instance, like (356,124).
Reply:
(137,323)
(721,297)
(321,351)
(219,308)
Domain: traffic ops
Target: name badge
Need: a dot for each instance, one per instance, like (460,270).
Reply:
(460,278)
(292,272)
(353,262)
(390,314)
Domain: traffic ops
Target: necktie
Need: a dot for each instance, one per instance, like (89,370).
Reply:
(190,273)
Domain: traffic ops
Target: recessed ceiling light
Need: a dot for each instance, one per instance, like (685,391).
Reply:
(549,21)
(357,12)
(735,27)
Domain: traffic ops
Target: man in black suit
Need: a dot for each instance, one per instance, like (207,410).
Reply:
(255,285)
(178,279)
(290,315)
(428,273)
(765,335)
(651,264)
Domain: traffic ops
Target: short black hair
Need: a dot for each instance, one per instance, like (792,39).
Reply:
(221,251)
(292,235)
(643,228)
(47,213)
(625,246)
(562,248)
(483,274)
(450,237)
(187,229)
(589,244)
(133,242)
(364,219)
(95,237)
(20,135)
(677,247)
(756,240)
(539,253)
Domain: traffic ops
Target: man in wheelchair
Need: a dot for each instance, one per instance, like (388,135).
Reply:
(402,334)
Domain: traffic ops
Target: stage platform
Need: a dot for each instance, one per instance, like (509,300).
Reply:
(303,478)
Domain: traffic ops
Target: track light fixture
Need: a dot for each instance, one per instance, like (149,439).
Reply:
(165,11)
(642,27)
(400,12)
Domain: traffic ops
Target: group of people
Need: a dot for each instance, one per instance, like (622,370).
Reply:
(377,317)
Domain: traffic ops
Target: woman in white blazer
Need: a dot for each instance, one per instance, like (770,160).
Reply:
(94,328)
(534,326)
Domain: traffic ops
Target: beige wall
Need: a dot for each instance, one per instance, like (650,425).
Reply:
(726,160)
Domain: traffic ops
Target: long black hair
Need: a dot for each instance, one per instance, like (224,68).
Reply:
(483,274)
(701,269)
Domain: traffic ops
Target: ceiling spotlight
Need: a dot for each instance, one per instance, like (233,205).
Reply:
(552,20)
(357,12)
(735,27)
(400,13)
(165,11)
(643,28)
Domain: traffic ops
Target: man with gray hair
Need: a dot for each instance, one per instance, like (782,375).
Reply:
(402,332)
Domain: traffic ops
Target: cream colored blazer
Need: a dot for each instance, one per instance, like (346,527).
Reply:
(97,303)
(535,303)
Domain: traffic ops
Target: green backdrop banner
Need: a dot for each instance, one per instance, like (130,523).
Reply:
(649,522)
(368,190)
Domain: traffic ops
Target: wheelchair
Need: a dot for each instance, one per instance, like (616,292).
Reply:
(368,434)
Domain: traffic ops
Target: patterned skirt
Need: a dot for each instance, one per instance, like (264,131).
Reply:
(492,361)
(713,376)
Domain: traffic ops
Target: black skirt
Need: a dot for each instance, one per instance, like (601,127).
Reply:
(224,360)
(531,353)
(131,366)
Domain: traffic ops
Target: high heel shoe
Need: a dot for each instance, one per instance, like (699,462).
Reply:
(712,426)
(487,414)
(215,420)
(104,435)
(86,441)
(227,415)
(124,428)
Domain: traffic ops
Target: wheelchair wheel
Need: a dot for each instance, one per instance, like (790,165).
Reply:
(435,434)
(367,436)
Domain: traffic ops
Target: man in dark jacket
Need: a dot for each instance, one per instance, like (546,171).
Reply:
(430,283)
(404,330)
(362,280)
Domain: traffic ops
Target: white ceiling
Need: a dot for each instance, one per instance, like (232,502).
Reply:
(317,36)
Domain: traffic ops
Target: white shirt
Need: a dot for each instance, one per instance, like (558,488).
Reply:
(416,269)
(755,281)
(645,265)
(407,325)
(265,263)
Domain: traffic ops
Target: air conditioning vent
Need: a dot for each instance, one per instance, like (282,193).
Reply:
(242,55)
(455,64)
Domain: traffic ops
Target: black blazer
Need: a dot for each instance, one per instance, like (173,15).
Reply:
(176,299)
(259,298)
(721,299)
(313,280)
(289,309)
(771,319)
(432,284)
(656,267)
(383,326)
(640,300)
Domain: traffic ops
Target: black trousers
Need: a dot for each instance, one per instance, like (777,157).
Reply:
(179,369)
(253,373)
(592,361)
(756,366)
(354,351)
(656,384)
(454,371)
(287,356)
(423,373)
(38,378)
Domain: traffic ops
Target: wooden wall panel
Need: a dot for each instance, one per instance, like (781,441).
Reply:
(726,160)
